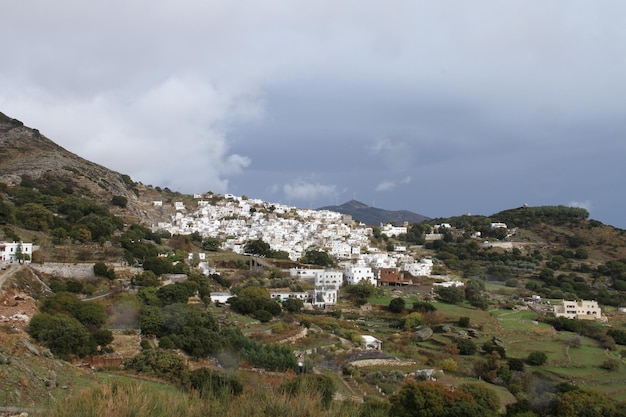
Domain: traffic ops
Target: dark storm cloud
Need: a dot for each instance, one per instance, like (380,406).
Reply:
(438,107)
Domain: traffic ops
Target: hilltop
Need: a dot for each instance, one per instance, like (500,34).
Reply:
(26,154)
(375,216)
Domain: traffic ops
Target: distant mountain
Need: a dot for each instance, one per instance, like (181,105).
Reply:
(375,216)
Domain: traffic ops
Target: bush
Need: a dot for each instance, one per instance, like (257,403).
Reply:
(160,363)
(536,358)
(119,200)
(610,365)
(465,346)
(262,315)
(397,305)
(64,336)
(293,305)
(464,321)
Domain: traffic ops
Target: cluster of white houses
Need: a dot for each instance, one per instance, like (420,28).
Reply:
(327,282)
(236,220)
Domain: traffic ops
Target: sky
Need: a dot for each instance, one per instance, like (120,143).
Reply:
(441,107)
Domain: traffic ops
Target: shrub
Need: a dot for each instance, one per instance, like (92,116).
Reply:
(397,305)
(465,346)
(536,358)
(119,200)
(449,365)
(610,365)
(160,363)
(464,322)
(262,315)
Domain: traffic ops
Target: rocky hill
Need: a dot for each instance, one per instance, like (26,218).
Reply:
(26,153)
(375,216)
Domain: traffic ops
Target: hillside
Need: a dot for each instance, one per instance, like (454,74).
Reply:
(375,216)
(482,333)
(27,154)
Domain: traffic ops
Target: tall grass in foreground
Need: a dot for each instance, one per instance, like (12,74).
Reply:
(135,399)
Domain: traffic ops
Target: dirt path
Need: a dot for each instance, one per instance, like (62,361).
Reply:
(7,273)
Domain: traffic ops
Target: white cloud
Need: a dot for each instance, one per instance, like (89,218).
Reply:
(308,191)
(586,204)
(172,134)
(390,185)
(386,186)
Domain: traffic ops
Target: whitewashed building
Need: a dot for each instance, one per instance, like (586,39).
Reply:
(10,251)
(220,297)
(391,230)
(423,268)
(372,343)
(355,273)
(327,284)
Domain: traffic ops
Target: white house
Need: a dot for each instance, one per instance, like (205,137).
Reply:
(448,284)
(285,295)
(371,343)
(391,230)
(422,268)
(9,252)
(303,273)
(582,310)
(327,283)
(220,297)
(355,273)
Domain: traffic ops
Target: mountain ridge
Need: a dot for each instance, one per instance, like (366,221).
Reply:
(375,216)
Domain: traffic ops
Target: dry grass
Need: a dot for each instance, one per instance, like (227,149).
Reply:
(137,398)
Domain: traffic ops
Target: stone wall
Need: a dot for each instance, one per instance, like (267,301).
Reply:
(66,270)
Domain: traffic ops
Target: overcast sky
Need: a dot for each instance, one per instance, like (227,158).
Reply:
(438,107)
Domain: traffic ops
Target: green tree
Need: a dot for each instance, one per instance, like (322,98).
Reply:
(146,279)
(211,244)
(257,247)
(91,314)
(411,320)
(431,399)
(451,295)
(64,336)
(100,269)
(483,395)
(7,213)
(157,265)
(34,216)
(151,320)
(584,402)
(397,305)
(317,257)
(173,293)
(160,363)
(293,305)
(253,298)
